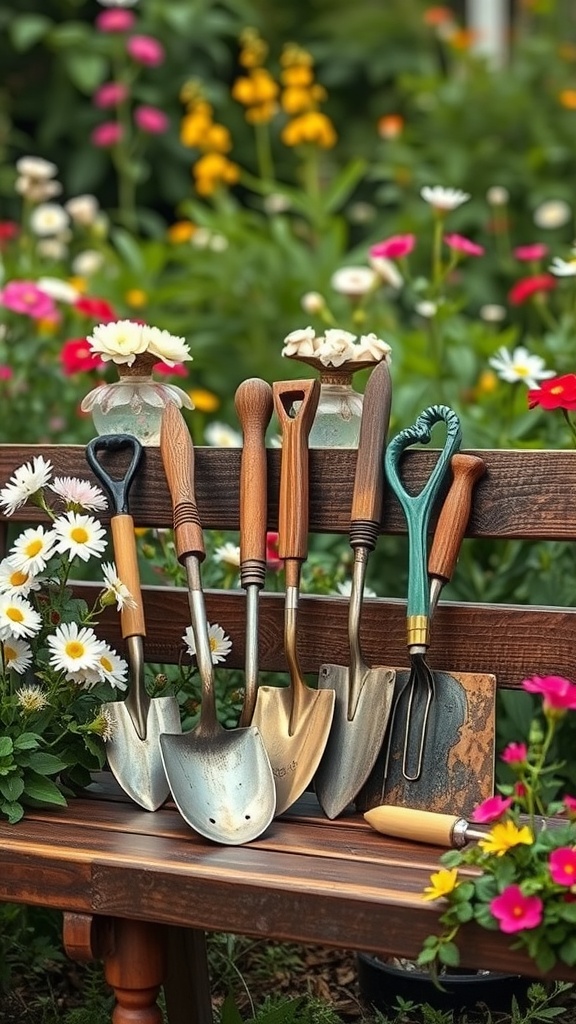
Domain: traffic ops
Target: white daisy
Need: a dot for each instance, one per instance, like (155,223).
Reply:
(552,213)
(229,554)
(387,271)
(36,167)
(497,195)
(58,289)
(220,644)
(520,366)
(31,698)
(74,648)
(312,302)
(48,219)
(109,668)
(32,549)
(115,589)
(52,249)
(87,262)
(372,347)
(426,309)
(301,342)
(79,535)
(345,589)
(337,347)
(79,494)
(16,655)
(26,481)
(102,724)
(83,209)
(218,242)
(121,341)
(492,313)
(16,581)
(354,282)
(220,435)
(444,199)
(35,190)
(17,617)
(166,346)
(563,268)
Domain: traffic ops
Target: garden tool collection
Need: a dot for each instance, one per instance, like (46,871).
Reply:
(294,720)
(441,829)
(221,779)
(136,723)
(254,405)
(363,694)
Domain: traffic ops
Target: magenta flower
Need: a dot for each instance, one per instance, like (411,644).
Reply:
(151,120)
(514,754)
(145,50)
(491,809)
(110,94)
(514,911)
(115,20)
(536,251)
(461,244)
(6,372)
(562,864)
(106,134)
(570,805)
(395,247)
(558,693)
(27,298)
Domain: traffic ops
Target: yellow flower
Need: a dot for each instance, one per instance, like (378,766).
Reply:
(295,100)
(211,170)
(261,113)
(503,836)
(194,129)
(256,87)
(204,401)
(181,231)
(313,127)
(294,54)
(79,283)
(298,76)
(254,50)
(218,139)
(136,298)
(568,99)
(487,383)
(442,883)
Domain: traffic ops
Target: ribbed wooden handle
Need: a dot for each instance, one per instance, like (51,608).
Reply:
(369,477)
(453,519)
(254,405)
(177,453)
(408,823)
(294,487)
(126,559)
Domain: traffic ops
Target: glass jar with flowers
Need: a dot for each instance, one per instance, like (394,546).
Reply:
(337,355)
(55,673)
(134,403)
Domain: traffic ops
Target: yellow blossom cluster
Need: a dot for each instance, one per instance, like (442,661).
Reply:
(256,90)
(199,130)
(300,99)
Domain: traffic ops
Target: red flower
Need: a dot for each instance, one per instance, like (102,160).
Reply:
(514,911)
(8,230)
(273,561)
(535,251)
(96,309)
(557,393)
(526,287)
(76,357)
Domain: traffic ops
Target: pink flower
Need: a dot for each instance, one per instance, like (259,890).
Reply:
(514,753)
(520,790)
(110,94)
(461,244)
(529,286)
(25,297)
(536,251)
(151,120)
(106,134)
(558,693)
(395,247)
(6,372)
(562,865)
(273,560)
(115,20)
(515,911)
(145,50)
(492,808)
(570,806)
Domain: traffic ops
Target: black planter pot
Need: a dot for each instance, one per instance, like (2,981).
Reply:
(380,983)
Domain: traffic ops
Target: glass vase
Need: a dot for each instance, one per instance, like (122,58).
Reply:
(133,404)
(339,412)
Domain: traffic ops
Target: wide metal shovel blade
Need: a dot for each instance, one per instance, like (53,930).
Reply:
(137,762)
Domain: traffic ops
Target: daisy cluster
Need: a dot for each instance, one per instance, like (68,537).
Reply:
(335,346)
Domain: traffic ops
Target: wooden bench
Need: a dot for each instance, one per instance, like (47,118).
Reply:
(138,889)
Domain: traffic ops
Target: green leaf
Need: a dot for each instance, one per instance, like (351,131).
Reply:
(46,764)
(230,1014)
(6,746)
(27,29)
(27,741)
(343,185)
(128,249)
(12,788)
(39,788)
(449,954)
(13,810)
(464,912)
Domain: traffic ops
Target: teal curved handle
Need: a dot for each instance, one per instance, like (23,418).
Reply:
(418,507)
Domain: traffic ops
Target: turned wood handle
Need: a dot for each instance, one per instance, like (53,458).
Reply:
(453,519)
(408,823)
(126,559)
(294,484)
(254,405)
(369,477)
(177,453)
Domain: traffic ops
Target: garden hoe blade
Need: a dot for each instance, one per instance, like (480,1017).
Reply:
(133,751)
(221,779)
(363,694)
(294,720)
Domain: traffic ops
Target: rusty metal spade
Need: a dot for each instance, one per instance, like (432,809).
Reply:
(133,751)
(363,695)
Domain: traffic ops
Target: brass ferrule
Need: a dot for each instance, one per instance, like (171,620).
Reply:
(418,630)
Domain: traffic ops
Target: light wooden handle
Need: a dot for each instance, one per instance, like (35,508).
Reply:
(126,558)
(453,519)
(294,484)
(254,405)
(408,823)
(178,459)
(369,477)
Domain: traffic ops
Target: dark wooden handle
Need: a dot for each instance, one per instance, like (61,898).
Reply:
(453,519)
(177,453)
(296,423)
(369,478)
(126,559)
(254,405)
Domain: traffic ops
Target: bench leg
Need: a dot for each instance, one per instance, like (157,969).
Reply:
(187,982)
